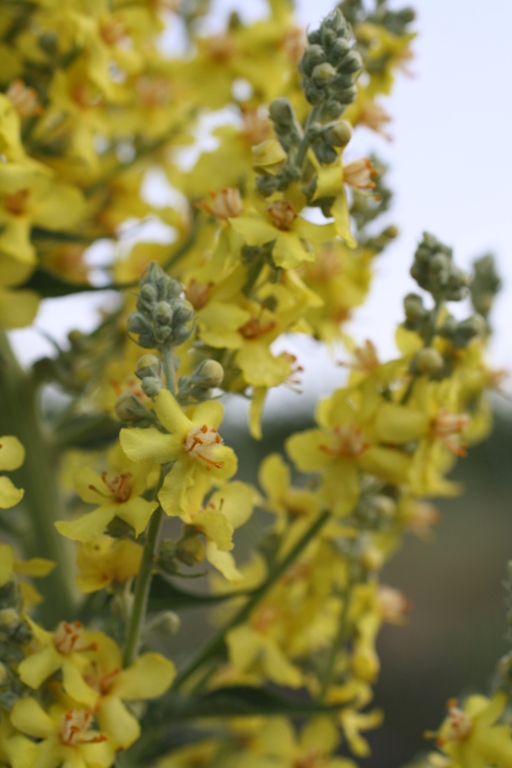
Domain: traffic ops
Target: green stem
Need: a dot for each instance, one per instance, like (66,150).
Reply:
(140,600)
(37,476)
(217,641)
(168,363)
(304,145)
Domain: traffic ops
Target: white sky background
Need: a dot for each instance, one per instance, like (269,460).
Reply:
(451,166)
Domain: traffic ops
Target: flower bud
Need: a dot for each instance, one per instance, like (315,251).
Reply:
(339,50)
(209,374)
(415,312)
(183,312)
(148,365)
(128,408)
(313,94)
(312,56)
(166,623)
(352,63)
(139,323)
(322,73)
(365,664)
(191,551)
(267,185)
(149,293)
(281,111)
(164,313)
(428,360)
(338,134)
(151,386)
(333,109)
(324,153)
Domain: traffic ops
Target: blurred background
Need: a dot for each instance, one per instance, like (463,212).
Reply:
(450,169)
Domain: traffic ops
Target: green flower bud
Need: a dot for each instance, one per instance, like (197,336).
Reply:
(166,623)
(191,551)
(49,42)
(338,134)
(281,111)
(312,56)
(151,386)
(267,185)
(339,50)
(313,94)
(208,374)
(139,323)
(183,312)
(332,109)
(181,334)
(468,329)
(164,313)
(129,409)
(352,63)
(384,506)
(314,38)
(149,293)
(428,360)
(148,365)
(347,95)
(323,73)
(324,153)
(415,312)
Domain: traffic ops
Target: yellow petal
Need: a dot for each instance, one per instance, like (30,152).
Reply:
(256,411)
(148,678)
(9,494)
(399,424)
(304,449)
(136,512)
(115,720)
(223,562)
(35,669)
(75,685)
(89,526)
(38,567)
(12,453)
(149,445)
(170,413)
(29,717)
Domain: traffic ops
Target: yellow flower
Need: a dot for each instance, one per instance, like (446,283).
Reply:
(12,456)
(147,678)
(60,650)
(119,495)
(107,561)
(66,736)
(470,737)
(15,750)
(284,500)
(194,445)
(288,232)
(37,566)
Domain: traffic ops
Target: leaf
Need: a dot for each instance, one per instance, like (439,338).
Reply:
(165,595)
(244,701)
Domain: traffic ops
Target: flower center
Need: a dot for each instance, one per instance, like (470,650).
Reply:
(119,485)
(68,638)
(460,725)
(23,99)
(201,442)
(348,440)
(17,202)
(99,680)
(199,293)
(75,726)
(225,204)
(256,327)
(445,425)
(153,91)
(282,214)
(359,174)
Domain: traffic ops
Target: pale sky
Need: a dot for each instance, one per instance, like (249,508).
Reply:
(451,168)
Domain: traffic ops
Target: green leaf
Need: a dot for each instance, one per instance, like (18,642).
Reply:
(165,595)
(243,701)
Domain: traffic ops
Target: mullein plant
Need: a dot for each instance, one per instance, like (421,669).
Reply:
(122,428)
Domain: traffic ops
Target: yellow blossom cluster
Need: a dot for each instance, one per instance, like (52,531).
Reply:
(267,234)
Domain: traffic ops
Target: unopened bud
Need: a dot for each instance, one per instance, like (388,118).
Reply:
(183,312)
(149,292)
(338,134)
(191,551)
(166,623)
(333,109)
(322,73)
(324,153)
(352,62)
(313,55)
(415,312)
(139,323)
(164,313)
(281,111)
(148,365)
(384,505)
(129,409)
(209,374)
(365,664)
(428,360)
(339,50)
(151,386)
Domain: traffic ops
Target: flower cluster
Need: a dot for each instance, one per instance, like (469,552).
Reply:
(270,233)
